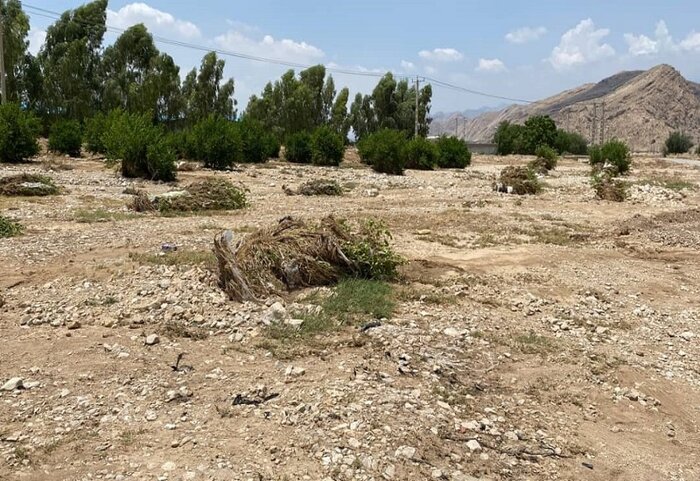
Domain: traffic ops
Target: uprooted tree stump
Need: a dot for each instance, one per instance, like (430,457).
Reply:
(315,187)
(28,185)
(294,254)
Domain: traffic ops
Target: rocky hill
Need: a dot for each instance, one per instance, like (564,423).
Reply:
(640,107)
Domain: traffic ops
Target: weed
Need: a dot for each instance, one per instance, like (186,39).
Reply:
(87,216)
(532,343)
(28,185)
(672,183)
(176,258)
(174,330)
(9,228)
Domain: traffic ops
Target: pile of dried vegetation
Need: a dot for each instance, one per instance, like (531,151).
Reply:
(294,254)
(28,185)
(315,187)
(204,195)
(518,180)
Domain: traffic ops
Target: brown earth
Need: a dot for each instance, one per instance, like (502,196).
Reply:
(548,337)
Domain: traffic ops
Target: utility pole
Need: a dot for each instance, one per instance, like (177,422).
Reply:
(456,126)
(3,89)
(417,92)
(602,127)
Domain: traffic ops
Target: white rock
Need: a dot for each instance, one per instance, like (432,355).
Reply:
(12,384)
(294,371)
(152,340)
(275,313)
(473,445)
(168,466)
(453,332)
(407,452)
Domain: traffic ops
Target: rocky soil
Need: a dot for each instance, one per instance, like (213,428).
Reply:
(549,337)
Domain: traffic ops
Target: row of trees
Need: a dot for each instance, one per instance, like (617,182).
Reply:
(74,76)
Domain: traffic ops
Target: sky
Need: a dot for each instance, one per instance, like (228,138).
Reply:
(516,49)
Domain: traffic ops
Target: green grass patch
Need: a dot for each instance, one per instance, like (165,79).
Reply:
(9,228)
(672,183)
(89,216)
(352,303)
(176,258)
(532,343)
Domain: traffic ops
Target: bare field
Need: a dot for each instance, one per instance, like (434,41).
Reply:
(548,337)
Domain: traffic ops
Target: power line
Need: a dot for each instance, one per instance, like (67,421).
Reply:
(42,12)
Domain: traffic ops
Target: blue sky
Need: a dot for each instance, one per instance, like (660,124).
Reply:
(511,48)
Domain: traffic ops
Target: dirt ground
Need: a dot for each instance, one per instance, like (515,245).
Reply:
(548,337)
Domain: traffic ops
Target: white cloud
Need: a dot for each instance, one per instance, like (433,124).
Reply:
(691,42)
(525,34)
(441,55)
(268,46)
(643,45)
(581,45)
(430,70)
(490,65)
(406,65)
(36,40)
(156,20)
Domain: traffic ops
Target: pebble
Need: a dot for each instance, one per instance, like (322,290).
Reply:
(12,384)
(152,339)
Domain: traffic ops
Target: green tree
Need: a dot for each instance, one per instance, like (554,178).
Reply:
(339,120)
(70,60)
(539,130)
(206,93)
(162,91)
(125,68)
(16,28)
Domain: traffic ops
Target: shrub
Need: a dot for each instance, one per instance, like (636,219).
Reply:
(297,148)
(369,249)
(608,188)
(453,153)
(18,133)
(141,146)
(508,138)
(216,141)
(93,132)
(518,180)
(570,143)
(538,130)
(272,146)
(327,147)
(252,141)
(421,154)
(179,142)
(28,185)
(9,228)
(677,143)
(205,195)
(66,137)
(383,150)
(615,152)
(316,187)
(548,155)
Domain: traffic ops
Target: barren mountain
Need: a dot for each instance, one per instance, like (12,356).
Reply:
(640,107)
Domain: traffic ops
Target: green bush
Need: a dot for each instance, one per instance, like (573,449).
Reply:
(570,143)
(370,251)
(518,180)
(216,141)
(453,153)
(252,141)
(615,152)
(327,147)
(179,142)
(678,143)
(18,133)
(525,139)
(421,154)
(548,155)
(297,148)
(66,137)
(9,228)
(272,146)
(608,188)
(383,150)
(93,132)
(142,148)
(508,138)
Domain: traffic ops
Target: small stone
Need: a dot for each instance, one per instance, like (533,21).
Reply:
(453,332)
(168,466)
(151,415)
(74,325)
(275,313)
(152,340)
(12,384)
(293,371)
(294,322)
(687,335)
(473,445)
(408,452)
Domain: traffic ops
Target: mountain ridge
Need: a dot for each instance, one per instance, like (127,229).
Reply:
(641,107)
